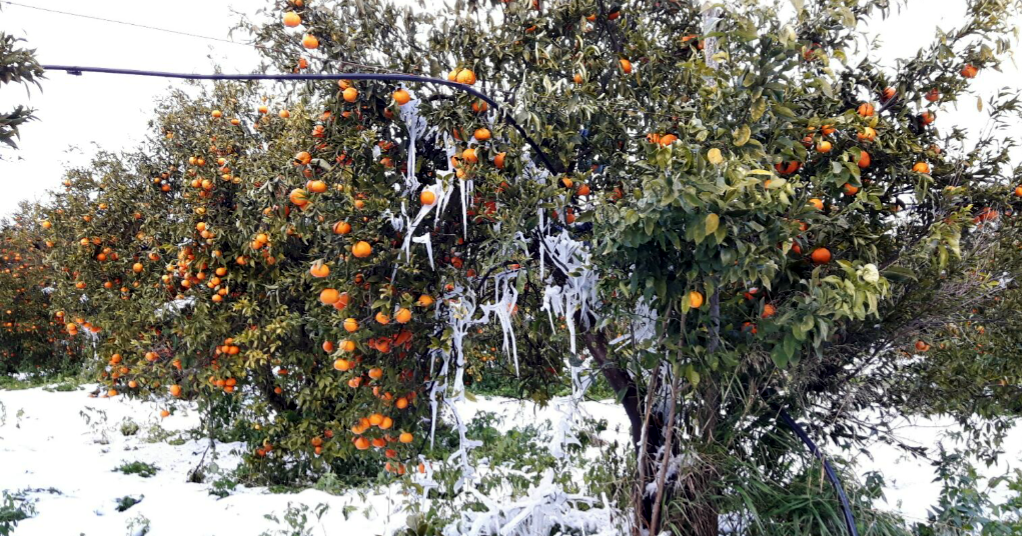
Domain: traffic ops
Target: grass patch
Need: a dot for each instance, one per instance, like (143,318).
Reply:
(127,502)
(142,469)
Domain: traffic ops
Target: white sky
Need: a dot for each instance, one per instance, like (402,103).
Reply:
(77,114)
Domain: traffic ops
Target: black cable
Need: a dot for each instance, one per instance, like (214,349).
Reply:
(77,71)
(831,475)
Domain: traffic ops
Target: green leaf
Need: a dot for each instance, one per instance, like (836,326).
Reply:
(742,135)
(758,108)
(898,274)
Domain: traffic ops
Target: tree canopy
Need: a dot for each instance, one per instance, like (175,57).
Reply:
(745,214)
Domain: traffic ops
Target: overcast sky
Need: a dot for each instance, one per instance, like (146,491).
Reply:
(79,114)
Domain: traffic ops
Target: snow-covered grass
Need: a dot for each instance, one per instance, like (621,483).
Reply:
(62,450)
(66,462)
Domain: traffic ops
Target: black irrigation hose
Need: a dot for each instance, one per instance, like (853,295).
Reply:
(77,71)
(831,475)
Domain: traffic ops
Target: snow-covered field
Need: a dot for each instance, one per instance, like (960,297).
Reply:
(66,446)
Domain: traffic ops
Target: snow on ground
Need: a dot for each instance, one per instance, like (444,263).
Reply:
(45,442)
(72,443)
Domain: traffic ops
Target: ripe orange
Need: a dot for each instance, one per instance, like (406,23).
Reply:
(403,316)
(175,390)
(824,147)
(137,267)
(299,197)
(329,296)
(406,437)
(816,203)
(362,249)
(866,109)
(922,346)
(864,160)
(375,373)
(310,42)
(469,156)
(342,227)
(867,134)
(382,318)
(626,66)
(499,160)
(217,114)
(292,19)
(425,300)
(933,95)
(577,78)
(821,255)
(350,325)
(1018,191)
(319,269)
(695,299)
(402,97)
(969,71)
(342,365)
(926,118)
(284,114)
(850,189)
(921,167)
(889,93)
(768,311)
(350,94)
(482,134)
(466,76)
(427,197)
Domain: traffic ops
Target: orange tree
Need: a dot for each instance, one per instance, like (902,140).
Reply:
(30,336)
(742,215)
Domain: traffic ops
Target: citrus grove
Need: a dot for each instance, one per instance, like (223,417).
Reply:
(742,213)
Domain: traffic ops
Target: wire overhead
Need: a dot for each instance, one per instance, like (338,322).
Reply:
(132,24)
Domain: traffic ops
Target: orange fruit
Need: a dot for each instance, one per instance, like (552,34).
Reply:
(969,71)
(299,197)
(864,160)
(350,325)
(824,147)
(425,300)
(342,365)
(922,346)
(469,156)
(406,437)
(362,249)
(866,109)
(821,255)
(175,390)
(926,118)
(342,227)
(375,373)
(867,134)
(292,19)
(382,318)
(403,316)
(695,299)
(921,167)
(348,346)
(768,311)
(402,97)
(816,203)
(933,95)
(482,134)
(350,94)
(850,189)
(329,296)
(427,197)
(626,66)
(466,76)
(1018,191)
(320,269)
(310,42)
(498,160)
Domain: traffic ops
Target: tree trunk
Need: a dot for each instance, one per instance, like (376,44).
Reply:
(701,516)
